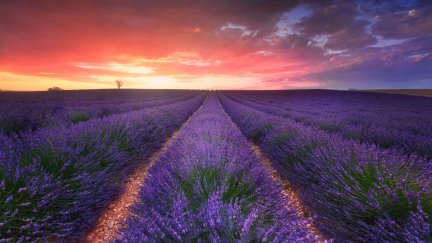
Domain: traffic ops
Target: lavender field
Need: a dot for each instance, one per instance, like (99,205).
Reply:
(215,166)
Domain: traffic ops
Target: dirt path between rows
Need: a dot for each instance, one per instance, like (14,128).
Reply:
(286,187)
(118,211)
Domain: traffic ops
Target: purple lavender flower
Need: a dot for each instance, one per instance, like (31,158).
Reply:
(357,191)
(62,178)
(210,186)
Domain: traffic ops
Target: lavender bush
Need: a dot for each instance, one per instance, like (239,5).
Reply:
(54,183)
(24,114)
(389,121)
(360,163)
(209,186)
(359,192)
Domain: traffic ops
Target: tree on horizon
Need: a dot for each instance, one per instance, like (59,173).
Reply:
(55,89)
(119,83)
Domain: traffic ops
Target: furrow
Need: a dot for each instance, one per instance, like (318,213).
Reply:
(285,185)
(118,211)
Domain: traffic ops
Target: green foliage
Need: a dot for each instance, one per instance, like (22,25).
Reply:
(426,202)
(367,178)
(303,119)
(283,137)
(61,166)
(398,206)
(329,127)
(209,180)
(259,132)
(11,126)
(79,116)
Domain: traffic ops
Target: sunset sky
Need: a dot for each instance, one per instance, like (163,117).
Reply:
(217,44)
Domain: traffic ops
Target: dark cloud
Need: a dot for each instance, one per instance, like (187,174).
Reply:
(349,39)
(402,66)
(339,22)
(302,47)
(407,24)
(328,19)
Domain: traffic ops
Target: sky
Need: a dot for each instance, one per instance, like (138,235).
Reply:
(207,44)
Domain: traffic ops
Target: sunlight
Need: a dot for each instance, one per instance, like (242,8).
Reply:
(118,67)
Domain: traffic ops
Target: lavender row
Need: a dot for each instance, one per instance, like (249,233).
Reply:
(209,186)
(55,183)
(108,96)
(389,121)
(21,112)
(22,117)
(358,192)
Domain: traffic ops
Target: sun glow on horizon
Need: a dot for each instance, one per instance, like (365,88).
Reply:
(118,67)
